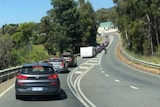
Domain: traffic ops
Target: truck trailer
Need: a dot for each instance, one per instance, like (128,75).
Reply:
(87,52)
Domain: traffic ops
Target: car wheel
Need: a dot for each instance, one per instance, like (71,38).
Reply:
(17,97)
(75,64)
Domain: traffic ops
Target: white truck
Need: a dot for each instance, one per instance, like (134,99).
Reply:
(87,52)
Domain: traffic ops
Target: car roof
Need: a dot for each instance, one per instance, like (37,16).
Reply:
(37,64)
(67,53)
(56,59)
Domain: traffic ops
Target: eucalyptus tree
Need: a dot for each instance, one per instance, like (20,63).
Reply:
(27,30)
(87,23)
(5,51)
(139,23)
(64,16)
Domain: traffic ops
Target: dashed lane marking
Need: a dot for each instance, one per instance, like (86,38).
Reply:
(133,87)
(106,75)
(102,71)
(78,72)
(90,63)
(82,67)
(117,80)
(93,61)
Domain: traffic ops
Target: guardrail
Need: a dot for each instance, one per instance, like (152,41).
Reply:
(149,64)
(11,72)
(8,73)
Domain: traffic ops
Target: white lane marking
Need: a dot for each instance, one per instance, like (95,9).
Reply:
(133,87)
(80,93)
(83,67)
(117,80)
(94,58)
(102,71)
(100,68)
(107,75)
(78,72)
(4,92)
(95,61)
(89,63)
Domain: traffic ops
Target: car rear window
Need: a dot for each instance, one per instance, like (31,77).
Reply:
(55,60)
(37,70)
(66,55)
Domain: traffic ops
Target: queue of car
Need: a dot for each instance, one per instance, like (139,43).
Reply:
(41,78)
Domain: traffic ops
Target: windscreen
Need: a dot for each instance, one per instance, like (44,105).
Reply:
(65,55)
(55,60)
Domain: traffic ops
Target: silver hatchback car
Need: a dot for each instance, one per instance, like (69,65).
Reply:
(59,64)
(37,79)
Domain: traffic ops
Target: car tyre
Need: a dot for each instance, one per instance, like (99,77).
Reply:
(17,97)
(75,65)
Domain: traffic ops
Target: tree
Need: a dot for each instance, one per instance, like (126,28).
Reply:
(87,23)
(139,19)
(5,51)
(64,16)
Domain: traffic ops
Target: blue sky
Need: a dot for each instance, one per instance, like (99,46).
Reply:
(20,11)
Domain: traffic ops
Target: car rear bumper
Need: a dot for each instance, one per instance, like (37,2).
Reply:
(53,91)
(71,63)
(60,70)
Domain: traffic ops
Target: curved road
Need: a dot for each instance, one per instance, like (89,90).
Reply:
(105,82)
(114,84)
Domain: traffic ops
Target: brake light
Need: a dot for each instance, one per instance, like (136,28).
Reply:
(62,64)
(21,77)
(70,59)
(54,76)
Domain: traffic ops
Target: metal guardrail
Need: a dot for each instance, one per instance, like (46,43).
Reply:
(149,64)
(8,73)
(11,72)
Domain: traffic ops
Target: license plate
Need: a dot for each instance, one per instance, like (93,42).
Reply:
(37,89)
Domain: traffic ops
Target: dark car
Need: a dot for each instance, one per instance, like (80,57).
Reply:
(59,64)
(37,79)
(70,58)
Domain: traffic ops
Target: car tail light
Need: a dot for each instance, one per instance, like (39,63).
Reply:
(62,64)
(53,83)
(70,59)
(54,76)
(21,77)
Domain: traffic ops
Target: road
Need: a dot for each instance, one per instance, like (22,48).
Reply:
(114,84)
(67,99)
(103,81)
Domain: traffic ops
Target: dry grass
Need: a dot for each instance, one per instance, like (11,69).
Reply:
(138,66)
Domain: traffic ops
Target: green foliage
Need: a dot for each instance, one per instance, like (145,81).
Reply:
(37,53)
(67,26)
(104,15)
(87,24)
(139,22)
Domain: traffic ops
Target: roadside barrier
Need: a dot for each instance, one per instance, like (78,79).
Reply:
(145,63)
(11,72)
(8,73)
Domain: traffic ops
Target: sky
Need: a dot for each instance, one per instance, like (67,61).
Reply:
(20,11)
